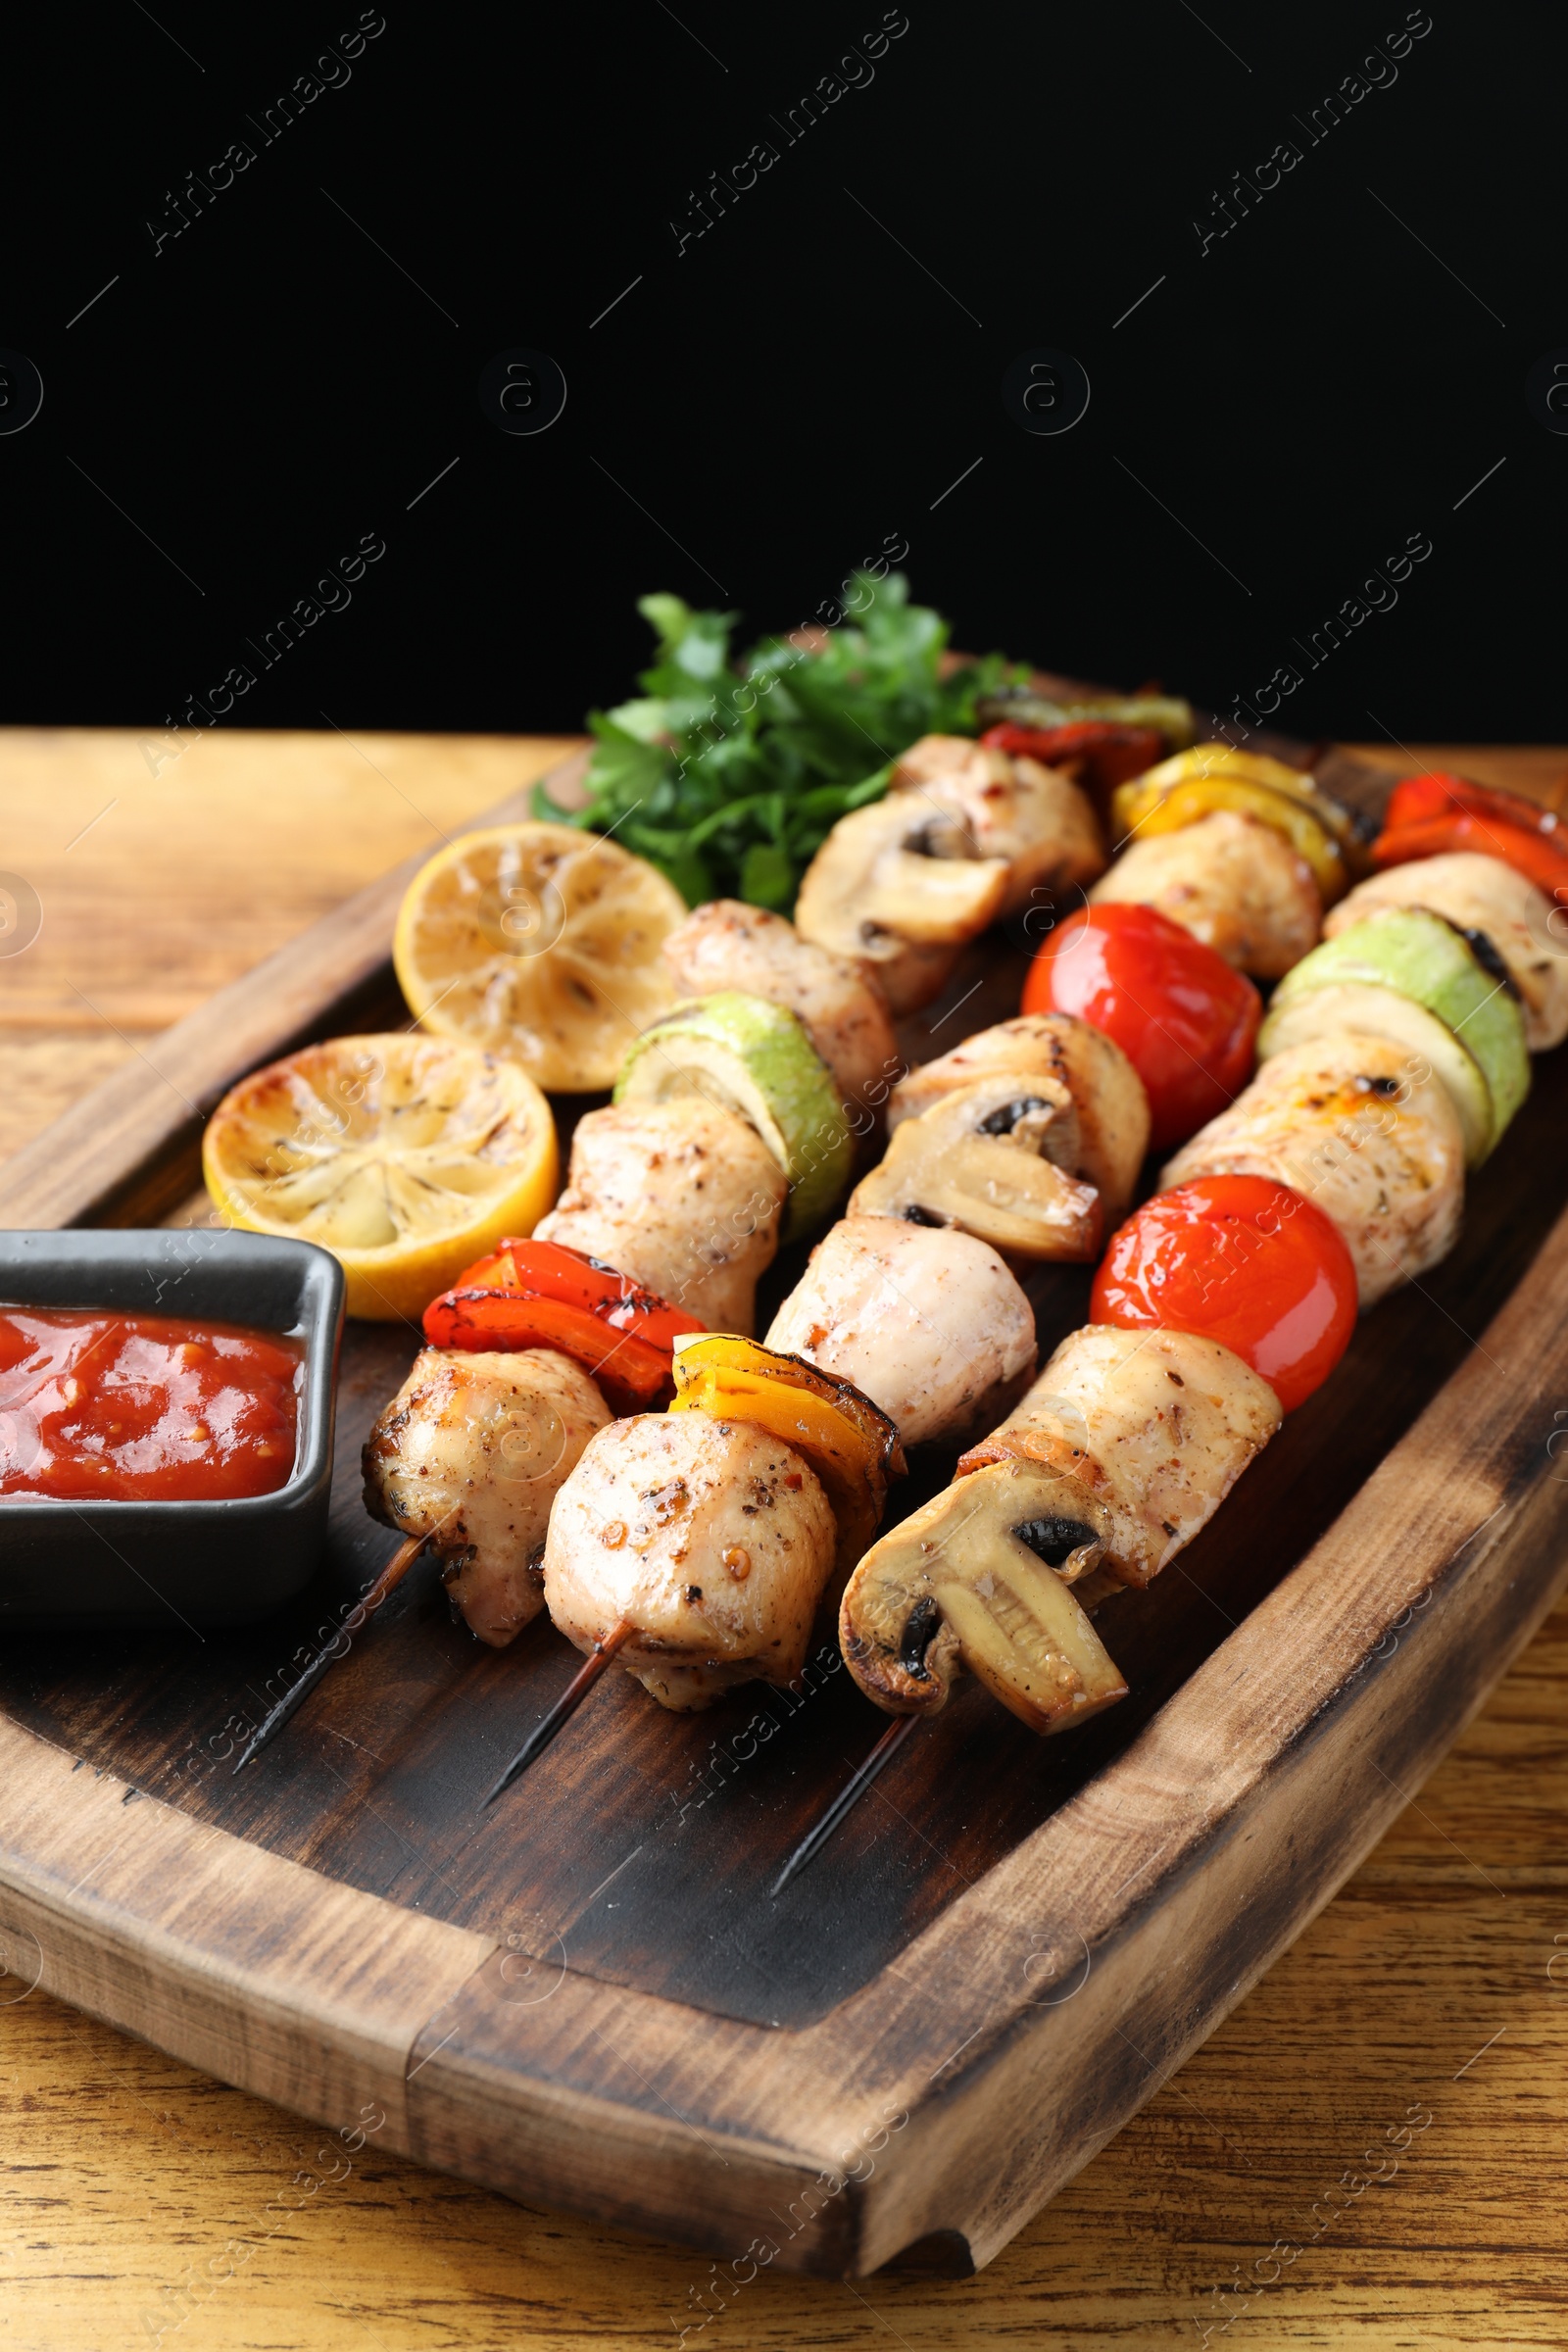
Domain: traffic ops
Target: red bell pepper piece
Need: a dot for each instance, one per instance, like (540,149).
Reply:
(544,1295)
(552,1270)
(1530,854)
(1417,800)
(634,1376)
(1113,754)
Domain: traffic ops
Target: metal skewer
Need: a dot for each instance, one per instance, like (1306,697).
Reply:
(391,1575)
(850,1795)
(565,1706)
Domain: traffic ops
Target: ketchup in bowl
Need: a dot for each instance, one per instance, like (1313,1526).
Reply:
(143,1408)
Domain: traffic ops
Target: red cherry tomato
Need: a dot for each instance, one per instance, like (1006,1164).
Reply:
(1239,1260)
(1184,1019)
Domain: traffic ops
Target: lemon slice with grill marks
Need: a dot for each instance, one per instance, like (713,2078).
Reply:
(541,943)
(407,1157)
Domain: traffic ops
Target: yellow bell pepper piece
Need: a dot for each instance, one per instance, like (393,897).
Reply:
(1205,759)
(848,1444)
(1137,809)
(1226,759)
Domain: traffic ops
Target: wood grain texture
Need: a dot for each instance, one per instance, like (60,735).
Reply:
(253,1970)
(770,2288)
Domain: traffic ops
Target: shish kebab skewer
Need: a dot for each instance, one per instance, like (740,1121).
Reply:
(638,1169)
(952,1343)
(1044,830)
(1360,1126)
(1346,1155)
(685,1195)
(702,1527)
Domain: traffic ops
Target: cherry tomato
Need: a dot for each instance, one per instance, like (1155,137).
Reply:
(1184,1019)
(1243,1261)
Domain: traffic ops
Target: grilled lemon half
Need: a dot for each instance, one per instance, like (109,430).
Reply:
(541,943)
(407,1157)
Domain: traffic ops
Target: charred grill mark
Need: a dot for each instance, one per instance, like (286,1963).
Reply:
(920,1629)
(1003,1120)
(1054,1541)
(1485,950)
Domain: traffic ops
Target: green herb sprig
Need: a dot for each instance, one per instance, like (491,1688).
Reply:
(727,772)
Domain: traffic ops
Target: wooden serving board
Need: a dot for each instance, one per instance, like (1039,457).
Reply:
(586,1997)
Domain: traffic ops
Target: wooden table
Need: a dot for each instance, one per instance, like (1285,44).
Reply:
(1430,1997)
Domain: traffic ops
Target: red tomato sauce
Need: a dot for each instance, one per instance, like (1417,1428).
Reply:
(143,1408)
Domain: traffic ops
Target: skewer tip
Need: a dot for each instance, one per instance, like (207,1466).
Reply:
(390,1577)
(565,1706)
(850,1795)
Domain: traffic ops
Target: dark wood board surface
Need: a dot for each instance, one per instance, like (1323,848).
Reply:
(650,1840)
(644,1844)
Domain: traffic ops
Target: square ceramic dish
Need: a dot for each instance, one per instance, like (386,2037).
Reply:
(146,1563)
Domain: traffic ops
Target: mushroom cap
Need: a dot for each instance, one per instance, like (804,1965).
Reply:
(1034,816)
(897,886)
(989,1158)
(1107,1091)
(981,1577)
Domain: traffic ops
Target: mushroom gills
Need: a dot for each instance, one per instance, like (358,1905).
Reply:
(1055,1540)
(991,1159)
(979,1578)
(902,890)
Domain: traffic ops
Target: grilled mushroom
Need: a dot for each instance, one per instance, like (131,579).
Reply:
(980,1578)
(990,1159)
(1034,816)
(898,885)
(1107,1094)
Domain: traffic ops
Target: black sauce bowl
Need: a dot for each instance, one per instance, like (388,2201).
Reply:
(203,1563)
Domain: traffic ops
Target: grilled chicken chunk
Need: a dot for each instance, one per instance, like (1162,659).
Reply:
(729,945)
(1157,1425)
(925,1320)
(683,1197)
(470,1453)
(1361,1126)
(1108,1093)
(1233,881)
(712,1538)
(1033,815)
(1481,894)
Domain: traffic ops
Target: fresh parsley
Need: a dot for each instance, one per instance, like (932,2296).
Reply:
(727,772)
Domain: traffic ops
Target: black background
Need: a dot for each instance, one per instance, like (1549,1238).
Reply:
(766,406)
